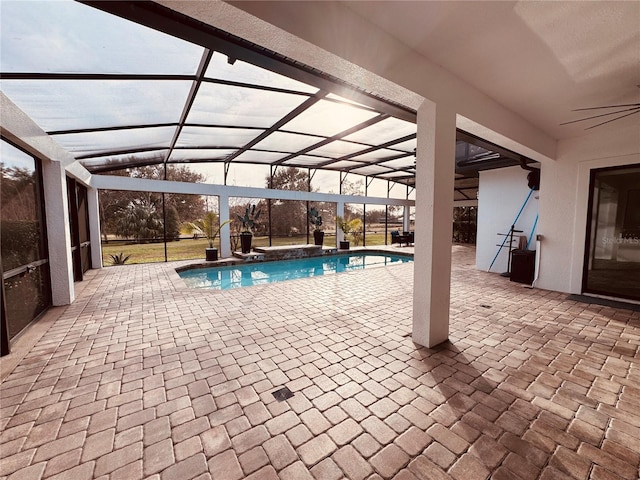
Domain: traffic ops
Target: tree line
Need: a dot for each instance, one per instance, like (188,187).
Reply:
(145,216)
(142,216)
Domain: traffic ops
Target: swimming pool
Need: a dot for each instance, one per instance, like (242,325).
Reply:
(248,274)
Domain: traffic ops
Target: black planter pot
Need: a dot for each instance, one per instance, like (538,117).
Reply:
(318,237)
(211,254)
(245,242)
(344,245)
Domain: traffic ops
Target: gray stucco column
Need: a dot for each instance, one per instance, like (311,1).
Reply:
(339,233)
(406,218)
(225,232)
(434,203)
(58,232)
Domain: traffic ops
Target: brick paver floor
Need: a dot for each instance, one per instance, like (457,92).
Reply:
(144,378)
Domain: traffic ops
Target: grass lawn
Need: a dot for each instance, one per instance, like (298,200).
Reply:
(189,249)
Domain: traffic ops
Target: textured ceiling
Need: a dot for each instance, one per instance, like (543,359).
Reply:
(540,60)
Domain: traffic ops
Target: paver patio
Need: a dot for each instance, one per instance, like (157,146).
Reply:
(144,378)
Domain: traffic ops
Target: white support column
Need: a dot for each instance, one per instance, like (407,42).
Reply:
(339,213)
(434,203)
(225,232)
(58,233)
(406,218)
(93,208)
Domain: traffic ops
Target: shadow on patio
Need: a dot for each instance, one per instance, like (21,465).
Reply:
(144,378)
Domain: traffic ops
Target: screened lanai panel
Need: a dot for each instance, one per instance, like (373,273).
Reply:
(124,160)
(218,104)
(398,175)
(243,175)
(397,190)
(98,142)
(199,154)
(219,68)
(211,172)
(338,149)
(408,146)
(217,137)
(287,142)
(371,170)
(253,156)
(379,155)
(333,96)
(306,161)
(325,181)
(328,118)
(377,188)
(68,37)
(383,131)
(400,163)
(82,104)
(344,164)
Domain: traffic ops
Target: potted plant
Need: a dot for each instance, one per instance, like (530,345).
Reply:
(350,228)
(248,223)
(209,228)
(315,219)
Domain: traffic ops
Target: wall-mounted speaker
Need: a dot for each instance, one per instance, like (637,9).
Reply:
(534,179)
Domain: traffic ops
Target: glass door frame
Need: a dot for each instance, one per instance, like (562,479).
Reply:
(79,223)
(4,325)
(42,262)
(590,235)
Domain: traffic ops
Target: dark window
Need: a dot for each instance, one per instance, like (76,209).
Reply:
(24,257)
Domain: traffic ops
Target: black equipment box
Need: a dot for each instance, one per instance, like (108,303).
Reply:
(523,266)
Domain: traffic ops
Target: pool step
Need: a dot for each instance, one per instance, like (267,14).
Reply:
(284,252)
(250,257)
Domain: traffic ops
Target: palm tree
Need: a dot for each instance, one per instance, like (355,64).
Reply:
(207,227)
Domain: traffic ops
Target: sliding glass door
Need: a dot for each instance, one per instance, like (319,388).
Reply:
(612,260)
(23,252)
(79,228)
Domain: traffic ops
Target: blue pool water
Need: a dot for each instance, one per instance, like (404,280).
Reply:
(244,275)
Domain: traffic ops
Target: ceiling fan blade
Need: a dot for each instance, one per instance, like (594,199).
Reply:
(637,110)
(602,115)
(607,106)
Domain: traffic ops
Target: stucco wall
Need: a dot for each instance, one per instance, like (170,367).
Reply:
(501,195)
(564,201)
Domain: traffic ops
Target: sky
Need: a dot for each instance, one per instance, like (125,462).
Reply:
(11,157)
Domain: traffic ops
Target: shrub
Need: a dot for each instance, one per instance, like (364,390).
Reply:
(119,258)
